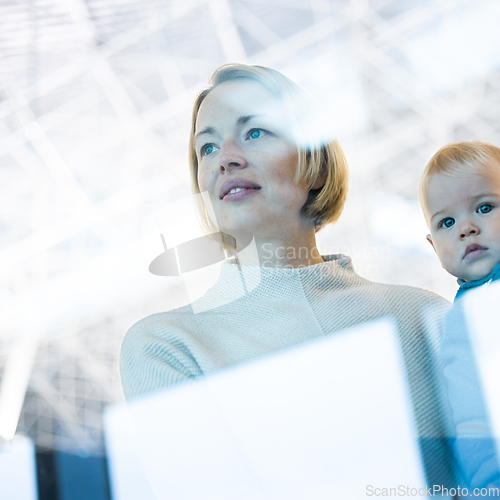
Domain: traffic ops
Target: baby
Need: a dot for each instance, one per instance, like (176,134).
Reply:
(460,197)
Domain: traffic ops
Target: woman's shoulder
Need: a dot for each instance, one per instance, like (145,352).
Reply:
(161,325)
(414,293)
(393,292)
(175,332)
(410,300)
(397,293)
(414,309)
(155,352)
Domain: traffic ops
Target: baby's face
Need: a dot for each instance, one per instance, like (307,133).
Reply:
(463,215)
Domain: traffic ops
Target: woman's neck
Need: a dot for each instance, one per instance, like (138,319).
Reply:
(297,250)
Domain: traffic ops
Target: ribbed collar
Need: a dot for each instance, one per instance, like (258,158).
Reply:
(337,259)
(237,281)
(465,286)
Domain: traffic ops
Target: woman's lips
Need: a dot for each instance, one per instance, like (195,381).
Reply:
(240,194)
(474,251)
(237,183)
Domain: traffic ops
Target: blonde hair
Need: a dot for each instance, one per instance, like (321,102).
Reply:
(316,155)
(458,159)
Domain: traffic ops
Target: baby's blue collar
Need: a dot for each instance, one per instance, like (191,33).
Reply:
(465,286)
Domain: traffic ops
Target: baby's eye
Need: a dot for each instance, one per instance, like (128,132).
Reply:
(484,208)
(207,149)
(448,222)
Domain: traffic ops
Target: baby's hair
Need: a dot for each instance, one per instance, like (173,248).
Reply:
(461,158)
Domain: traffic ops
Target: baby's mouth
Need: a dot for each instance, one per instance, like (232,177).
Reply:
(473,251)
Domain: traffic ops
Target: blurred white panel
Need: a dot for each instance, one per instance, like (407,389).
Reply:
(17,470)
(126,473)
(483,319)
(265,430)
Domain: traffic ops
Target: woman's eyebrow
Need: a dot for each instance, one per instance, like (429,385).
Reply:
(206,130)
(244,119)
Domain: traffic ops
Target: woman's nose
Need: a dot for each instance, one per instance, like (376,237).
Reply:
(231,156)
(468,228)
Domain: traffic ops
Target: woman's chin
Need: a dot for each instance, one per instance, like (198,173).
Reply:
(241,235)
(241,228)
(259,228)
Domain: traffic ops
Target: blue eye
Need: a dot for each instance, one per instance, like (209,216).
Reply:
(485,208)
(447,222)
(254,133)
(207,149)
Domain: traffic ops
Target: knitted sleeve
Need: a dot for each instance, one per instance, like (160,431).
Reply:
(153,356)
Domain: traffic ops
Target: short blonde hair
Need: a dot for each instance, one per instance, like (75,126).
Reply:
(461,158)
(315,155)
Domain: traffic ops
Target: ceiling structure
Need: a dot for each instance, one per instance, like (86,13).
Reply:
(95,103)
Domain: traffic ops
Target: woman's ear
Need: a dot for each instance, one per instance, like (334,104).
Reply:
(320,181)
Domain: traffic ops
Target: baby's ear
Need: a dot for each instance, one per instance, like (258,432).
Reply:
(429,239)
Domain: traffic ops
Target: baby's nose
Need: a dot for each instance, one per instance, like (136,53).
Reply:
(468,228)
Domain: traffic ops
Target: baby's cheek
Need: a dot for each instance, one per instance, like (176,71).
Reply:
(444,253)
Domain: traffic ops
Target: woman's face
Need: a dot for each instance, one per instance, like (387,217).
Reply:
(247,161)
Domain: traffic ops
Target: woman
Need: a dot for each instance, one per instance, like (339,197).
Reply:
(257,150)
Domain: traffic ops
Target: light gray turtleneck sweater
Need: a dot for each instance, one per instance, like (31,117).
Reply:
(283,307)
